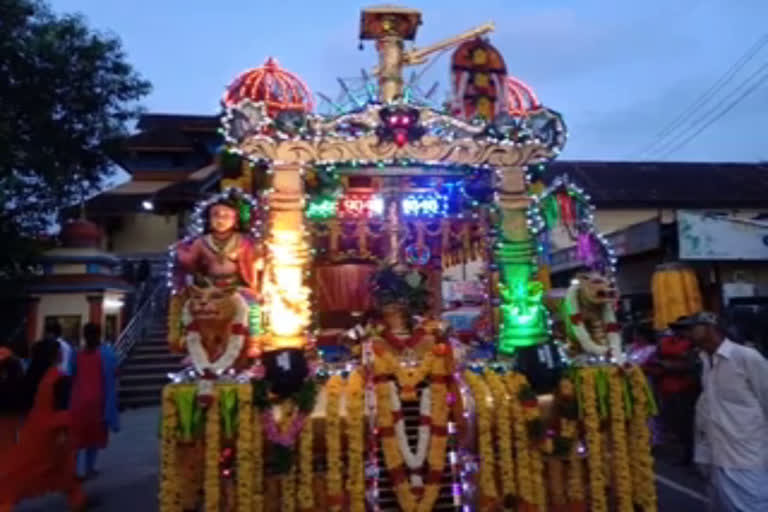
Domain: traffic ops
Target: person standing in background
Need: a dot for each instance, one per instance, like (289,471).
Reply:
(43,461)
(678,370)
(94,399)
(53,332)
(11,383)
(732,415)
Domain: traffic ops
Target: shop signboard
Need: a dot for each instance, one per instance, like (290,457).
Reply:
(711,236)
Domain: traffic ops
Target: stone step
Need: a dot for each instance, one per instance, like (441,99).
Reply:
(143,379)
(139,359)
(129,368)
(150,349)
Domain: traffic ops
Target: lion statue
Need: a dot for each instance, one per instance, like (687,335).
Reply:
(590,317)
(213,328)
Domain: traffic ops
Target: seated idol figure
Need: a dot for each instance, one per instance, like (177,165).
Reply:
(221,269)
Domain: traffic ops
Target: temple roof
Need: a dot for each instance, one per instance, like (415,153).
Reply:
(668,184)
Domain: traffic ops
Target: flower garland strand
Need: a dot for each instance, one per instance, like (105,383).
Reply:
(503,436)
(355,443)
(170,501)
(520,430)
(304,493)
(621,474)
(568,412)
(594,442)
(487,481)
(213,450)
(645,489)
(288,490)
(441,377)
(333,388)
(257,450)
(245,466)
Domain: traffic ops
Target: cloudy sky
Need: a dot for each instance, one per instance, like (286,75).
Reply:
(620,72)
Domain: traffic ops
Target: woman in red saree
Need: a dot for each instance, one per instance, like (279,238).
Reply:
(94,401)
(11,380)
(44,460)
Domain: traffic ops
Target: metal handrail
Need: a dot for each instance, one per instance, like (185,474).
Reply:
(143,316)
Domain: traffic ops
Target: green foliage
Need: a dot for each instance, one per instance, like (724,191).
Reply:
(67,93)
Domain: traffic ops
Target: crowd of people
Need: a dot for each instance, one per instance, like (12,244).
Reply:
(57,407)
(714,397)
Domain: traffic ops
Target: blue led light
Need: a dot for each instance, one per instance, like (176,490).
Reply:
(424,205)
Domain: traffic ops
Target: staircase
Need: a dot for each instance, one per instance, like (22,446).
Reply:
(146,360)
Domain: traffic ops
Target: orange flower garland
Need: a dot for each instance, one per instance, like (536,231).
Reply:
(304,493)
(245,448)
(257,449)
(170,501)
(212,483)
(594,442)
(622,479)
(333,389)
(482,398)
(355,442)
(437,366)
(523,460)
(505,458)
(644,490)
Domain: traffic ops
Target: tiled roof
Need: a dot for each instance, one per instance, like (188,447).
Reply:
(668,184)
(178,122)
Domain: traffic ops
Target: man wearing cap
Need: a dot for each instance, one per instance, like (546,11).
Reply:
(733,414)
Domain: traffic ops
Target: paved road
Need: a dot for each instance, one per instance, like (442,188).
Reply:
(128,479)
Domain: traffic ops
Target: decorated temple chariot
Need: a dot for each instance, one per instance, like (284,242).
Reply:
(326,372)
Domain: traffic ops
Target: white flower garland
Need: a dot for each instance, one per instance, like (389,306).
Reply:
(235,342)
(583,336)
(414,461)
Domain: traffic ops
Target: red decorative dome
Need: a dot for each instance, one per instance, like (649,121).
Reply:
(279,89)
(81,234)
(520,98)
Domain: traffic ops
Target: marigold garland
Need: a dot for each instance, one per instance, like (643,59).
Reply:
(537,440)
(304,493)
(568,431)
(594,441)
(644,490)
(520,430)
(621,475)
(482,397)
(170,501)
(441,372)
(355,442)
(245,466)
(333,389)
(212,483)
(257,444)
(288,490)
(503,435)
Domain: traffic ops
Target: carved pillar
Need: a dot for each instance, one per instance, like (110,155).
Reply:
(520,314)
(286,294)
(33,310)
(95,308)
(390,50)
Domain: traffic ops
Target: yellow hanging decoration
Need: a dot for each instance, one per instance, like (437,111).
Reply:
(257,450)
(304,493)
(520,430)
(212,483)
(505,459)
(170,501)
(333,389)
(644,489)
(288,490)
(621,475)
(245,466)
(438,388)
(486,477)
(594,442)
(356,444)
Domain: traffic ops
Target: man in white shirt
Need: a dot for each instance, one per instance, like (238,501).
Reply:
(53,332)
(732,416)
